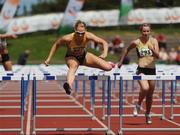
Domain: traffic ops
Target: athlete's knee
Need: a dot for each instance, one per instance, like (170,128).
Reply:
(73,65)
(145,88)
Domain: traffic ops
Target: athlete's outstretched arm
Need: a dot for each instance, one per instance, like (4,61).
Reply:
(8,36)
(53,50)
(131,46)
(100,41)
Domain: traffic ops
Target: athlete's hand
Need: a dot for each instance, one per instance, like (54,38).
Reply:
(119,65)
(151,47)
(14,36)
(8,36)
(46,63)
(11,36)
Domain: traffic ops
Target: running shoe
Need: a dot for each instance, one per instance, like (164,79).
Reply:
(148,119)
(137,109)
(67,88)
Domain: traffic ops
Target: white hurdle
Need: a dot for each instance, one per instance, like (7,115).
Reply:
(37,73)
(11,77)
(144,77)
(89,114)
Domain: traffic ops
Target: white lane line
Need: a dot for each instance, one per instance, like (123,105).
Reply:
(28,125)
(173,122)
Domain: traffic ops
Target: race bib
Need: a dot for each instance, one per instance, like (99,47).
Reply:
(145,52)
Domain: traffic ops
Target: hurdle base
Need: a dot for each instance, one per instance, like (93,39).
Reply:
(93,117)
(21,133)
(172,117)
(120,132)
(103,118)
(34,133)
(109,132)
(163,118)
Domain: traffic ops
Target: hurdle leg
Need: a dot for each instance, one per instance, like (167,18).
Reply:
(120,106)
(84,94)
(22,106)
(93,98)
(126,91)
(114,81)
(109,132)
(133,91)
(172,99)
(163,100)
(175,91)
(34,106)
(91,95)
(25,94)
(92,91)
(76,88)
(103,99)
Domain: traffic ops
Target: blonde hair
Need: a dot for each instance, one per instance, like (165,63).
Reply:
(144,25)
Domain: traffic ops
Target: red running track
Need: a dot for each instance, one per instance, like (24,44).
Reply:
(52,100)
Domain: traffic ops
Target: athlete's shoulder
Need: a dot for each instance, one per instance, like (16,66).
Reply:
(136,41)
(153,39)
(67,37)
(89,34)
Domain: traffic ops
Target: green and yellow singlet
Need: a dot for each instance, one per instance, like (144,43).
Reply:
(145,55)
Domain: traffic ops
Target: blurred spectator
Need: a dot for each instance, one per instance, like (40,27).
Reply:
(111,48)
(159,3)
(163,56)
(178,56)
(162,41)
(117,45)
(172,56)
(163,3)
(22,60)
(94,45)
